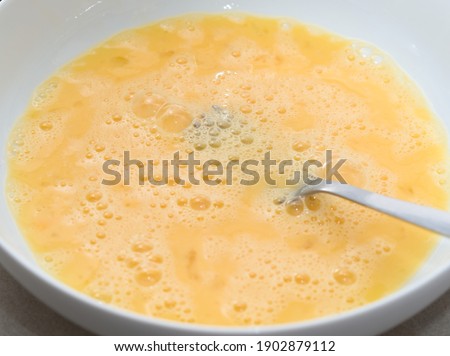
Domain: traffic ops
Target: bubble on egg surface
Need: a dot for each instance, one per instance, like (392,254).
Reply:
(146,105)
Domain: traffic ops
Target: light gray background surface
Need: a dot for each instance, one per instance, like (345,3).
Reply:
(22,314)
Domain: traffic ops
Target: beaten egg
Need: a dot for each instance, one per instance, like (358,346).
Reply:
(226,88)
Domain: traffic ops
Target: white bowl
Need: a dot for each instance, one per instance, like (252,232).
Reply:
(37,37)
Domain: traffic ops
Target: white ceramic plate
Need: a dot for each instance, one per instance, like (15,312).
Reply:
(37,37)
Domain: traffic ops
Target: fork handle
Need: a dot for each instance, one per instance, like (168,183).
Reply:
(423,216)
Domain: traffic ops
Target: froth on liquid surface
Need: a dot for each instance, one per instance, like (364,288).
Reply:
(225,255)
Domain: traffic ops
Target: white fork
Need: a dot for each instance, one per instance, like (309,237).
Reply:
(423,216)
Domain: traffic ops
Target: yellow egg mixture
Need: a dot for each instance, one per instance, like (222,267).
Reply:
(225,87)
